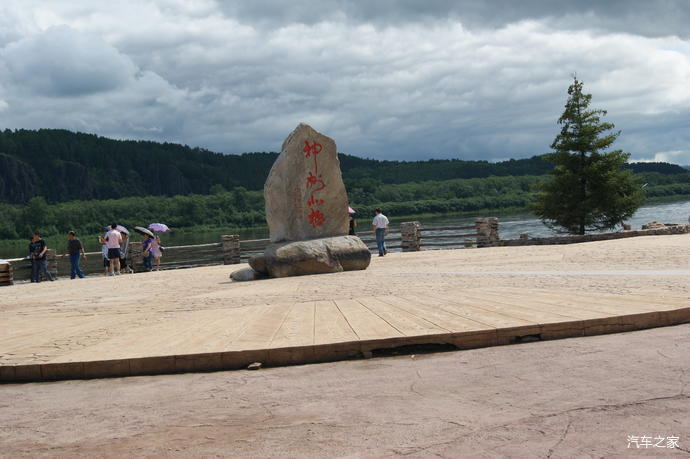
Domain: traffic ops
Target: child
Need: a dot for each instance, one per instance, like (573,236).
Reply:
(124,248)
(104,254)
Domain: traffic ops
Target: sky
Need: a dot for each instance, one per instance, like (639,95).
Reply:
(386,79)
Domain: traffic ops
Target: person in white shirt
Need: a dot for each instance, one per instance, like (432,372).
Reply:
(113,239)
(380,225)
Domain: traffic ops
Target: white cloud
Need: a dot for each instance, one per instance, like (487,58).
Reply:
(435,82)
(676,157)
(61,62)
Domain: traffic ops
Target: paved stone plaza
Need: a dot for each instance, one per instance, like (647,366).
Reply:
(561,399)
(197,319)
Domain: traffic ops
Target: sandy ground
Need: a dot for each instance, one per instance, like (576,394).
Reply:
(75,316)
(618,266)
(566,398)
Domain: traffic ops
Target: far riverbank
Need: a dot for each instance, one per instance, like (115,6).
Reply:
(512,224)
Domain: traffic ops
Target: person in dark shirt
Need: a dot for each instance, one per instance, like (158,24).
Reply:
(39,261)
(353,222)
(75,250)
(148,257)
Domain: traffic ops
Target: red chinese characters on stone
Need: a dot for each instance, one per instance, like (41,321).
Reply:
(315,184)
(316,218)
(313,149)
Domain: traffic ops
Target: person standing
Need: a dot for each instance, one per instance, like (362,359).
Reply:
(75,250)
(146,249)
(353,222)
(113,239)
(380,225)
(124,248)
(104,254)
(156,251)
(39,260)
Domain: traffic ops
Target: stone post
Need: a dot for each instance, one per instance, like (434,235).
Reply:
(135,256)
(52,262)
(231,249)
(6,277)
(487,231)
(410,234)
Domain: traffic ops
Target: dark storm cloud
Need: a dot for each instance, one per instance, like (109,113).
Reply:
(394,80)
(651,18)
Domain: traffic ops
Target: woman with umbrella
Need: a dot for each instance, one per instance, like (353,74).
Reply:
(353,222)
(155,247)
(149,238)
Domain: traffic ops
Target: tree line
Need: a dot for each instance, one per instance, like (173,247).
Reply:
(64,166)
(242,208)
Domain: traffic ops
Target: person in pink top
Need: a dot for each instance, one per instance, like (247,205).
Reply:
(156,252)
(113,239)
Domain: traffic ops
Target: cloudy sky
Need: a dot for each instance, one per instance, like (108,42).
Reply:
(387,79)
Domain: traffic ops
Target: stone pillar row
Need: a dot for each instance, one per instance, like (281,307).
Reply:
(410,234)
(6,275)
(231,249)
(487,231)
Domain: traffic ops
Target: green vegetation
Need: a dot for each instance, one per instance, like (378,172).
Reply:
(589,189)
(66,166)
(240,208)
(232,196)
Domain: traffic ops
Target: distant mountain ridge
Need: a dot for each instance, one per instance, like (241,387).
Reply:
(61,165)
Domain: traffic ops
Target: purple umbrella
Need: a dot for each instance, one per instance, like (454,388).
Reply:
(159,227)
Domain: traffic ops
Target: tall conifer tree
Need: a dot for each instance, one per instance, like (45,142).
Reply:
(589,189)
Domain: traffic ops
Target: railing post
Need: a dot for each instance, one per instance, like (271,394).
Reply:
(487,231)
(52,262)
(135,256)
(410,234)
(6,276)
(231,249)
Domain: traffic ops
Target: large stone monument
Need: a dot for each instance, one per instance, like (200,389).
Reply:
(306,211)
(305,194)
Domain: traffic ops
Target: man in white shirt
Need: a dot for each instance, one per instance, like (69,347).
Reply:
(380,225)
(113,239)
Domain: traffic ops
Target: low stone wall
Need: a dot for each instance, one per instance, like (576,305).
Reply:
(573,239)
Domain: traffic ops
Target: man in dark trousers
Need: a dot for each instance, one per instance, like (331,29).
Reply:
(39,260)
(380,225)
(75,250)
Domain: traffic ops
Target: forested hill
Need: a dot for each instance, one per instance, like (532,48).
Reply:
(64,166)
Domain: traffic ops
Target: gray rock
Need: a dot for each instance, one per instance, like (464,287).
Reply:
(258,264)
(317,256)
(304,192)
(653,225)
(244,274)
(255,366)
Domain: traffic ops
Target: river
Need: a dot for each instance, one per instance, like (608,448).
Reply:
(511,225)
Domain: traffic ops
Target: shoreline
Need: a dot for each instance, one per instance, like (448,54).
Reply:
(16,248)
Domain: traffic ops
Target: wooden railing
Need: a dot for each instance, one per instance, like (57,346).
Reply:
(411,236)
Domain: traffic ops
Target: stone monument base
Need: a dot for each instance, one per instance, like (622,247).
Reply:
(315,256)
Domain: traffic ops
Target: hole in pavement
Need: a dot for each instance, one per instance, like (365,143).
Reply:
(410,349)
(526,339)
